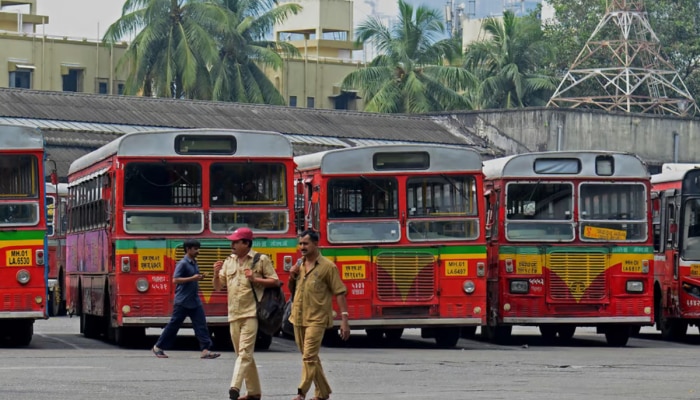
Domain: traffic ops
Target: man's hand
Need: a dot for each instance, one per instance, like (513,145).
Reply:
(249,275)
(217,267)
(345,329)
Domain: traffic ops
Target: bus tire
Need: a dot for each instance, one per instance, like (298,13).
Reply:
(671,328)
(374,335)
(617,336)
(468,332)
(566,332)
(221,336)
(263,341)
(549,333)
(446,338)
(58,303)
(21,333)
(393,334)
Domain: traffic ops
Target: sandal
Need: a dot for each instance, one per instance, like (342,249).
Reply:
(159,353)
(210,355)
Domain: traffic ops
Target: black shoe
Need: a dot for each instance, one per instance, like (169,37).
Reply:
(234,394)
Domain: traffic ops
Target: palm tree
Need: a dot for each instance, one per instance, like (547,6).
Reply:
(410,75)
(244,51)
(171,50)
(507,64)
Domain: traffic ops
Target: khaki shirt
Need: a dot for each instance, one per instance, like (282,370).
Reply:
(313,297)
(241,302)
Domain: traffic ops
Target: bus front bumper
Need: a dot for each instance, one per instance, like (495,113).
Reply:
(22,315)
(410,322)
(162,321)
(641,320)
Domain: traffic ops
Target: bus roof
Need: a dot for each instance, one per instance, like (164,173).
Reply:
(672,175)
(248,144)
(362,159)
(16,137)
(523,165)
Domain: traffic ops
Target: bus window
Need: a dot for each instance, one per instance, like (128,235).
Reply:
(539,211)
(162,184)
(363,197)
(613,212)
(248,185)
(691,234)
(19,176)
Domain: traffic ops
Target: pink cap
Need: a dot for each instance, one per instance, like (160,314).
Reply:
(240,233)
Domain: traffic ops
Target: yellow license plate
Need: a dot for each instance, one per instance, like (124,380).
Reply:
(634,266)
(354,271)
(19,258)
(456,268)
(695,270)
(151,262)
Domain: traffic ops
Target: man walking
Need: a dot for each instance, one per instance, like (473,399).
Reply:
(186,304)
(314,282)
(240,275)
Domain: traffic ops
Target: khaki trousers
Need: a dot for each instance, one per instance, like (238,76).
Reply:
(243,334)
(308,339)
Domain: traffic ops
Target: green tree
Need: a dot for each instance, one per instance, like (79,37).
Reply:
(201,49)
(509,64)
(170,48)
(411,75)
(244,51)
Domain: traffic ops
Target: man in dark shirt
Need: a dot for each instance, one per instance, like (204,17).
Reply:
(186,304)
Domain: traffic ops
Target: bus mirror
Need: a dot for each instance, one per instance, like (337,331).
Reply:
(54,178)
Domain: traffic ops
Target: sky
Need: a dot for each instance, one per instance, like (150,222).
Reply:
(90,18)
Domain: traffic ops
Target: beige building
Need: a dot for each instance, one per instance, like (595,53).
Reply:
(32,60)
(322,32)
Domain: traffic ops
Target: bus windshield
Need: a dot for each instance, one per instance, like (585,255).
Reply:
(442,208)
(370,199)
(20,176)
(539,211)
(691,230)
(249,184)
(162,184)
(613,212)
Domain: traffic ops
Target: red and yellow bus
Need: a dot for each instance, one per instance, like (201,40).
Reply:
(676,205)
(56,227)
(23,277)
(403,225)
(569,244)
(133,202)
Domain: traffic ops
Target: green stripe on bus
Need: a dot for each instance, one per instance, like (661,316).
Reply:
(126,244)
(22,235)
(510,249)
(345,252)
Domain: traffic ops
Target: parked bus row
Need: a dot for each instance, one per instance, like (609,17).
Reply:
(424,236)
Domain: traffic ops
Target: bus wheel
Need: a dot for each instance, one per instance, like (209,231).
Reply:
(617,336)
(89,326)
(263,341)
(672,329)
(446,338)
(58,305)
(634,330)
(21,333)
(393,334)
(566,332)
(549,333)
(221,336)
(468,332)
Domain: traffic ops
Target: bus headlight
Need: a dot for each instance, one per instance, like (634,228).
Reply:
(519,286)
(469,287)
(141,285)
(23,276)
(635,286)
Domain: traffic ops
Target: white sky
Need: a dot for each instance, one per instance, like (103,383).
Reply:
(79,18)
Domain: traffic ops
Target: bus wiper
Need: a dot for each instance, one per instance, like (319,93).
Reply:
(374,184)
(454,186)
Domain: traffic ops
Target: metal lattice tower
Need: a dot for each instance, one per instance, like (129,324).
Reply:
(621,68)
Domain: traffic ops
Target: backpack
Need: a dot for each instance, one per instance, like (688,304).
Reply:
(270,307)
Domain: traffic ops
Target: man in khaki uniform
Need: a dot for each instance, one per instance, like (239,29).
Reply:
(315,281)
(238,274)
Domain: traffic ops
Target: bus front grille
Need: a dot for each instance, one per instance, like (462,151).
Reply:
(404,277)
(206,259)
(576,275)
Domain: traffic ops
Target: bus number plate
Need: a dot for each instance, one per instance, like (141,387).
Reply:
(19,258)
(354,271)
(528,265)
(695,270)
(456,268)
(151,262)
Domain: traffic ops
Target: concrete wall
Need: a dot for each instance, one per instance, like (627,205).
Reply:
(649,136)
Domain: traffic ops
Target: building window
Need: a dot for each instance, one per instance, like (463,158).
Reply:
(21,78)
(102,87)
(292,101)
(73,80)
(120,88)
(310,102)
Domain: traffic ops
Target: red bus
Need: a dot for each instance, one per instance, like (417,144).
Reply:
(133,202)
(569,244)
(403,225)
(56,227)
(676,205)
(22,233)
